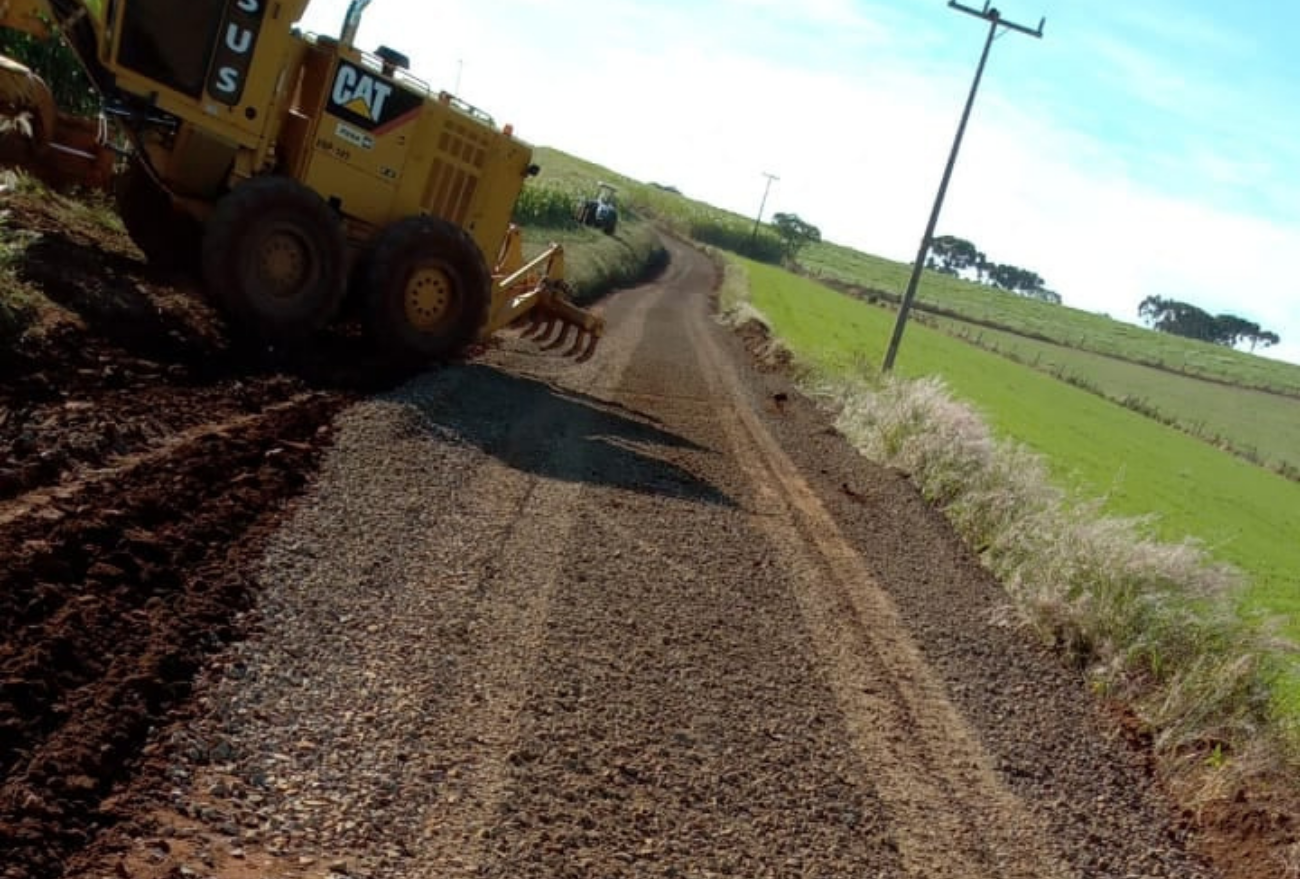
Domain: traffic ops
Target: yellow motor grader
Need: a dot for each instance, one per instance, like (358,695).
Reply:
(295,172)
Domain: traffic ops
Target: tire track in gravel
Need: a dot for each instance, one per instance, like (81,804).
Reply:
(946,812)
(541,519)
(674,724)
(951,814)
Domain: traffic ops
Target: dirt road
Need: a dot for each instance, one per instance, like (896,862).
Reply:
(647,616)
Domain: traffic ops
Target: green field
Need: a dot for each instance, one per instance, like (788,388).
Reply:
(1243,514)
(1067,326)
(596,262)
(564,178)
(1261,427)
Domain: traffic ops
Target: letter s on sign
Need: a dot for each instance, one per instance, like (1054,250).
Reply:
(228,80)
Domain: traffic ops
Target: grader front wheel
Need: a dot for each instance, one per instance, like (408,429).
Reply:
(427,290)
(274,256)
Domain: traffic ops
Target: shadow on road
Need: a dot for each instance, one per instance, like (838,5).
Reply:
(534,427)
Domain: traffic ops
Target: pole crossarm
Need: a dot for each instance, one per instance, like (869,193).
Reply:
(995,20)
(988,13)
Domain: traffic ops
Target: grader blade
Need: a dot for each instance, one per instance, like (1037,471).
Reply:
(536,291)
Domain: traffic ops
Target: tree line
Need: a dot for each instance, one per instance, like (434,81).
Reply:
(1189,321)
(950,255)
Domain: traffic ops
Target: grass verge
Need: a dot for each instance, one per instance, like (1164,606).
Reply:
(1243,514)
(1154,623)
(20,306)
(596,263)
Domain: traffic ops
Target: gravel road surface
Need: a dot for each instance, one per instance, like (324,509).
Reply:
(646,616)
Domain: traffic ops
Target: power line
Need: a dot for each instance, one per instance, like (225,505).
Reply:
(995,20)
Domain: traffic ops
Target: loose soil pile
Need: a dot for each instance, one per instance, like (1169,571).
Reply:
(142,464)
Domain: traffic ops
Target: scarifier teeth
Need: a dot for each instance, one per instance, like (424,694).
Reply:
(592,340)
(559,339)
(535,324)
(578,342)
(554,327)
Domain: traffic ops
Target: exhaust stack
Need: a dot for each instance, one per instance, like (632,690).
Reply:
(352,22)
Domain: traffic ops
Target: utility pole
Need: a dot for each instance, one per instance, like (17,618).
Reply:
(995,20)
(762,204)
(460,67)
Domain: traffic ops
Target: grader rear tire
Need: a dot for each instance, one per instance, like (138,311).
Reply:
(427,292)
(275,258)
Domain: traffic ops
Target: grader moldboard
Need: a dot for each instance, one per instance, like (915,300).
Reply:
(295,172)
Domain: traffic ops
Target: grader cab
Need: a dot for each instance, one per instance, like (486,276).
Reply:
(296,173)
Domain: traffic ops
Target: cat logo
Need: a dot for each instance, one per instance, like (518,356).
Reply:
(360,92)
(369,101)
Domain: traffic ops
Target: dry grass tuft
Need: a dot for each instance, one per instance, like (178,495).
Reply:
(1154,623)
(734,307)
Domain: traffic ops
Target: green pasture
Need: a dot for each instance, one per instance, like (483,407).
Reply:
(1261,427)
(1241,513)
(1057,323)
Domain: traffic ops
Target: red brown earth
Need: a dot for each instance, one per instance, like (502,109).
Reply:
(142,462)
(660,619)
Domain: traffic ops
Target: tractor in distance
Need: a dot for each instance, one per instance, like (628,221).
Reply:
(295,173)
(601,211)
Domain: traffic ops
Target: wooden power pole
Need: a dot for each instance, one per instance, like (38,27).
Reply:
(995,20)
(753,236)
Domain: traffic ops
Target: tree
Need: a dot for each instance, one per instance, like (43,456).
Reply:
(1178,318)
(1014,279)
(1189,321)
(1232,330)
(1265,338)
(950,255)
(795,233)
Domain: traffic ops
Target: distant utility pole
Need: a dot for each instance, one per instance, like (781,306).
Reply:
(460,68)
(762,204)
(995,20)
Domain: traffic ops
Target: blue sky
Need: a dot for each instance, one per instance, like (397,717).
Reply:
(1137,149)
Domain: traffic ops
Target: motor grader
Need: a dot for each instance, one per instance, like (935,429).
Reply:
(296,173)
